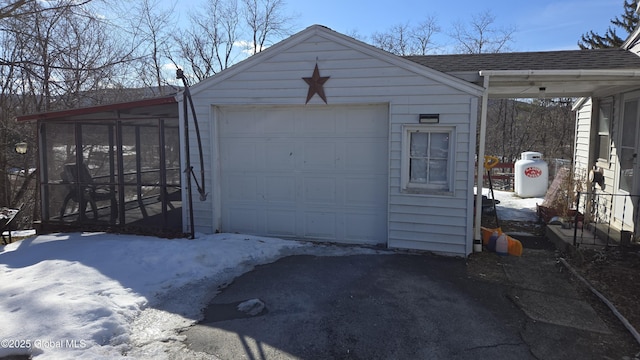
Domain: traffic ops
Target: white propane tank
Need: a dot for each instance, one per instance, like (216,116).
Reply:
(531,175)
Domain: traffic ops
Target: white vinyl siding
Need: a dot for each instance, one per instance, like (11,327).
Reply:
(359,74)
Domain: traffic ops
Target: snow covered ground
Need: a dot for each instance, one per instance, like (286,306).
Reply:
(514,208)
(106,296)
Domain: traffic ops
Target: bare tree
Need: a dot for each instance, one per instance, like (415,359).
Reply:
(63,53)
(423,36)
(265,19)
(11,9)
(396,40)
(480,35)
(544,125)
(207,46)
(214,41)
(52,54)
(403,39)
(153,28)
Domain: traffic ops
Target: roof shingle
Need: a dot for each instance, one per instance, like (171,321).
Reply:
(614,58)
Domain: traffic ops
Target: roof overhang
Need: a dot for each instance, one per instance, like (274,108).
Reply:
(559,83)
(153,107)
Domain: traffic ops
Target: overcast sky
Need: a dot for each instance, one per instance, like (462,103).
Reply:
(541,24)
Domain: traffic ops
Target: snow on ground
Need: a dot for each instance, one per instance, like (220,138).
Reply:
(106,296)
(95,295)
(515,208)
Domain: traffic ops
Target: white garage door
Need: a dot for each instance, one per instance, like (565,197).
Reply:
(305,172)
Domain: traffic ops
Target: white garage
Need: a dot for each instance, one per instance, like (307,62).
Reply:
(315,172)
(323,137)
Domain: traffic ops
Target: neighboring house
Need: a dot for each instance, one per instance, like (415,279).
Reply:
(323,137)
(607,142)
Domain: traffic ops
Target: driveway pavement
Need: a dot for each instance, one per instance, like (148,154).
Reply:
(404,306)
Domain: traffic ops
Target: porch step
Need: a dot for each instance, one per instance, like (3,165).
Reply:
(585,238)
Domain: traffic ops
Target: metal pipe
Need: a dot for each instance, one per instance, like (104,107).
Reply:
(477,235)
(575,220)
(187,169)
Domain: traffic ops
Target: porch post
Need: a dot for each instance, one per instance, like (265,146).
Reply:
(477,234)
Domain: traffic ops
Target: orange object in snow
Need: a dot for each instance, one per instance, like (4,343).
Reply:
(514,246)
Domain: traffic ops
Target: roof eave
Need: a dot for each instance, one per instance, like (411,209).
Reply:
(559,83)
(327,33)
(573,73)
(100,108)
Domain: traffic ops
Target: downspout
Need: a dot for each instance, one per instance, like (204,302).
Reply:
(188,167)
(477,234)
(186,96)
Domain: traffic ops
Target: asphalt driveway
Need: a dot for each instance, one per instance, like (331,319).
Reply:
(402,306)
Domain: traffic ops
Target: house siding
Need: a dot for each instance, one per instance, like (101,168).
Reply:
(609,167)
(586,125)
(357,76)
(583,139)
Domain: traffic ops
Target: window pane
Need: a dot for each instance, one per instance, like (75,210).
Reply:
(626,169)
(629,123)
(429,159)
(439,145)
(438,171)
(603,147)
(603,121)
(418,171)
(419,144)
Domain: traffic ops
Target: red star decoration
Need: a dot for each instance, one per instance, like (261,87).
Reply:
(315,85)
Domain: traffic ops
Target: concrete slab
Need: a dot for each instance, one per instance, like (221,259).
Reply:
(541,290)
(538,273)
(558,310)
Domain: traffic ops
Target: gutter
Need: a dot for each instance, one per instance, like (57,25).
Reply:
(574,73)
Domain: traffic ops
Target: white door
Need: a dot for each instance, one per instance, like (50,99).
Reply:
(628,186)
(313,172)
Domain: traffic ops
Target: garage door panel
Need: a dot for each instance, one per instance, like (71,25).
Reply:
(281,223)
(306,172)
(280,155)
(319,156)
(242,187)
(239,155)
(242,122)
(319,190)
(278,123)
(367,155)
(280,188)
(243,220)
(320,224)
(365,191)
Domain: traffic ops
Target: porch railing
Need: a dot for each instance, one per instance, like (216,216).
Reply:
(606,219)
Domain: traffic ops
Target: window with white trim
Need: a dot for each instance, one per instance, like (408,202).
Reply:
(603,145)
(427,158)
